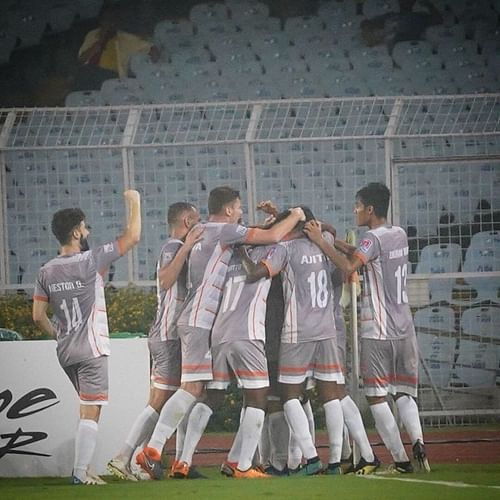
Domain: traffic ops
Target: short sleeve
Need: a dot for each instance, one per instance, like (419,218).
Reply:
(367,248)
(232,234)
(105,254)
(168,252)
(275,259)
(40,293)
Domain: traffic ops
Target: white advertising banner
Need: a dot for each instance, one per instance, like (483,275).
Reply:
(39,408)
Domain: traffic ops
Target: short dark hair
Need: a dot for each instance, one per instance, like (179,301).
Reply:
(221,196)
(377,195)
(176,209)
(300,225)
(64,221)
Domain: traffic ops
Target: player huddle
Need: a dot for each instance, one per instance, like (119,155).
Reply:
(213,283)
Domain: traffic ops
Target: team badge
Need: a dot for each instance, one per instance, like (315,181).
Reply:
(365,245)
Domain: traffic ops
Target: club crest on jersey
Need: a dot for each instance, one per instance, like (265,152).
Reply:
(365,245)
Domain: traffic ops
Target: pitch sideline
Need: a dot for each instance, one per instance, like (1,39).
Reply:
(425,481)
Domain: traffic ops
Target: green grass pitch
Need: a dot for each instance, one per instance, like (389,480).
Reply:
(453,482)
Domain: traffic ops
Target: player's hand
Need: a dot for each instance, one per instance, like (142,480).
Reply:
(194,235)
(131,195)
(313,231)
(268,207)
(297,211)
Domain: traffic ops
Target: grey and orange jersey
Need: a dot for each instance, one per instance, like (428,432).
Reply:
(337,283)
(307,292)
(74,287)
(242,313)
(207,266)
(168,302)
(385,313)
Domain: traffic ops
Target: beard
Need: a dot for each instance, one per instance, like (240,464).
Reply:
(84,244)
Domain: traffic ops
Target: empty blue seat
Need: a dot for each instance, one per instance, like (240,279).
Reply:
(476,364)
(481,321)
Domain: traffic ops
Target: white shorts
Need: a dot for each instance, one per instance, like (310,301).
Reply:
(389,366)
(245,359)
(196,358)
(90,379)
(166,369)
(318,359)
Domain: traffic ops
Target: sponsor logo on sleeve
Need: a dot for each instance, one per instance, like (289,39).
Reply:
(365,245)
(108,247)
(241,230)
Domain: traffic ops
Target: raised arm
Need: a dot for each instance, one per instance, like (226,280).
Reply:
(169,273)
(132,234)
(348,265)
(40,317)
(276,232)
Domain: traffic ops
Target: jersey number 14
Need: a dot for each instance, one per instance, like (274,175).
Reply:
(73,320)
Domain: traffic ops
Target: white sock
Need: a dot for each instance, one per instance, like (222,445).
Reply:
(297,420)
(197,422)
(251,429)
(354,422)
(346,444)
(279,435)
(310,419)
(141,430)
(408,412)
(234,453)
(294,457)
(388,430)
(335,427)
(180,435)
(264,447)
(85,443)
(171,414)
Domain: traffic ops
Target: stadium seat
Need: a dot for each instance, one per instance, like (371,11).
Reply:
(483,255)
(207,12)
(235,56)
(437,353)
(83,98)
(123,91)
(207,30)
(371,62)
(476,364)
(372,8)
(406,53)
(481,321)
(440,34)
(167,31)
(440,258)
(390,84)
(271,46)
(303,24)
(435,319)
(190,55)
(228,43)
(245,10)
(332,11)
(258,26)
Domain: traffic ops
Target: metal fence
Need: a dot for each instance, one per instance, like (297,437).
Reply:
(439,154)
